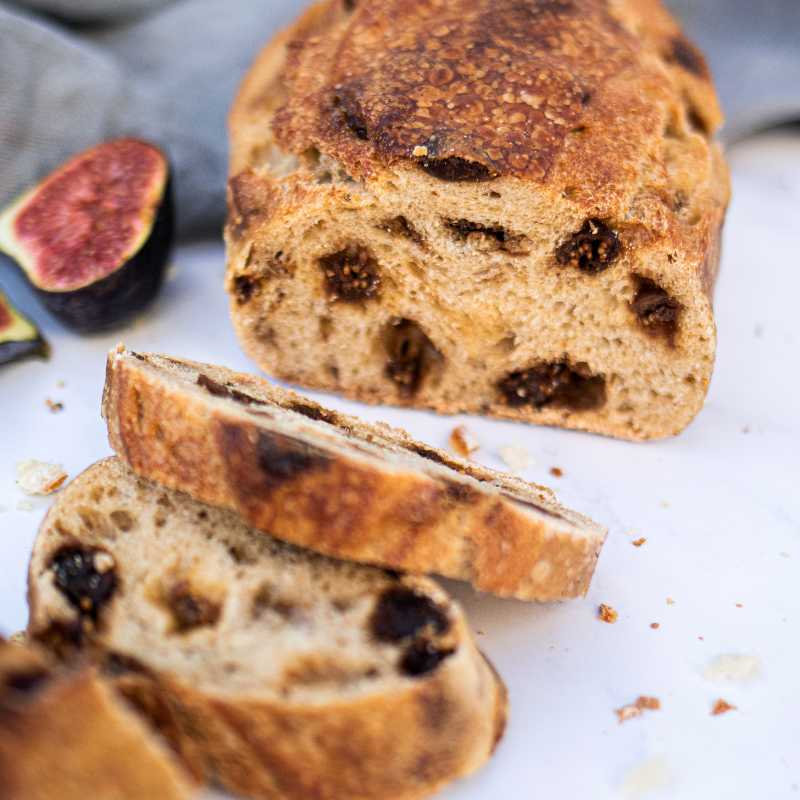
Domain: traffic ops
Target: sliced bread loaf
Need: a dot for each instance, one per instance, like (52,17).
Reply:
(67,734)
(294,675)
(330,482)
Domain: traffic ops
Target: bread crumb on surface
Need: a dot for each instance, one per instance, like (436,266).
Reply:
(648,776)
(557,472)
(665,505)
(738,667)
(653,624)
(721,706)
(24,505)
(39,477)
(516,456)
(54,407)
(785,554)
(638,708)
(670,601)
(633,532)
(639,542)
(738,605)
(607,614)
(3,509)
(463,441)
(62,384)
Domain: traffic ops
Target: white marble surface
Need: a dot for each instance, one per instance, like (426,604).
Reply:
(719,506)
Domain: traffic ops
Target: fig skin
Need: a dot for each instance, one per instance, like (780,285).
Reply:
(110,301)
(19,337)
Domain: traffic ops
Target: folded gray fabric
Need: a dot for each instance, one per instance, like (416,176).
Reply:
(75,72)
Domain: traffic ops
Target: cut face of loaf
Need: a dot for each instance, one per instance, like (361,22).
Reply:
(294,675)
(335,484)
(507,208)
(66,734)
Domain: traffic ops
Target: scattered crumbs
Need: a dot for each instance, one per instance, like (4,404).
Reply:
(739,667)
(463,441)
(761,430)
(552,647)
(3,509)
(419,150)
(638,708)
(607,614)
(721,706)
(639,542)
(738,605)
(20,637)
(746,430)
(785,554)
(670,601)
(653,624)
(480,633)
(557,472)
(39,477)
(516,456)
(665,505)
(700,638)
(62,384)
(24,505)
(173,270)
(632,532)
(54,407)
(648,776)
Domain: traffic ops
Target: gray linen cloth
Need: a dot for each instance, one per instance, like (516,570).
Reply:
(76,72)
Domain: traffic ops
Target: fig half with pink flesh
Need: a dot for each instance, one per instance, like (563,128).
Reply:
(93,237)
(19,337)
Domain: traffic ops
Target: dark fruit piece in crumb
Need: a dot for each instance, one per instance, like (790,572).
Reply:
(422,657)
(190,611)
(411,355)
(556,385)
(76,574)
(19,337)
(93,238)
(656,311)
(351,274)
(594,248)
(401,613)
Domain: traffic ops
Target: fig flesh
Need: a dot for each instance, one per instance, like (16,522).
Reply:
(19,337)
(93,237)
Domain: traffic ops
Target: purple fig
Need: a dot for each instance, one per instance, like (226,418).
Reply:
(19,337)
(93,237)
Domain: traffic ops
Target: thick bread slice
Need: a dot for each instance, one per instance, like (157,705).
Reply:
(66,734)
(297,676)
(504,207)
(347,488)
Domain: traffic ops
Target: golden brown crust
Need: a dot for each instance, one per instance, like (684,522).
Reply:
(64,733)
(343,502)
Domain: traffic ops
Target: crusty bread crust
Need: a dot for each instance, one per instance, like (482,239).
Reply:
(65,734)
(341,486)
(600,112)
(264,726)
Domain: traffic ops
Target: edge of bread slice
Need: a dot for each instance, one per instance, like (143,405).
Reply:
(66,734)
(333,483)
(293,674)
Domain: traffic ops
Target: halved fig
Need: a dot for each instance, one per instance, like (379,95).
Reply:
(19,337)
(93,237)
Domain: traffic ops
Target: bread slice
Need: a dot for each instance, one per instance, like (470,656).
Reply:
(508,208)
(295,675)
(67,734)
(335,484)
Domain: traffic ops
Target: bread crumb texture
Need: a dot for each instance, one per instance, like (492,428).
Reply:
(648,776)
(737,667)
(39,477)
(638,708)
(607,614)
(517,457)
(720,707)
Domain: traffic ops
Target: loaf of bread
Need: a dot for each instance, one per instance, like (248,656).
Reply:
(67,734)
(295,676)
(504,207)
(330,482)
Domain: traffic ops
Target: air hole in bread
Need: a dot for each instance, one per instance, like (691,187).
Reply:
(87,578)
(655,310)
(682,52)
(122,519)
(351,274)
(594,248)
(495,195)
(26,682)
(325,328)
(348,115)
(245,288)
(324,669)
(190,610)
(224,390)
(399,226)
(313,411)
(489,237)
(266,599)
(411,356)
(457,170)
(402,614)
(554,385)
